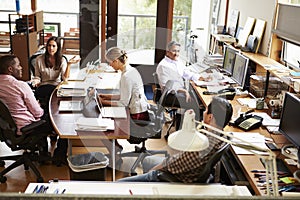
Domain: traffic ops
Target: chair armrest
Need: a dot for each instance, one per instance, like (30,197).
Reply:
(142,123)
(167,177)
(33,126)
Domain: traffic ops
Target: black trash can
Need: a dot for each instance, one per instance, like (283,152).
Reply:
(88,167)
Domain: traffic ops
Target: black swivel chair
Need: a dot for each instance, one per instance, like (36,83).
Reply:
(206,175)
(140,131)
(29,142)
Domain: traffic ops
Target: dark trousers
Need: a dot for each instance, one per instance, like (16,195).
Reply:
(178,100)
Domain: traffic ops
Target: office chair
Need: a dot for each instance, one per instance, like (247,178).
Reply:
(174,111)
(157,91)
(206,175)
(140,131)
(29,142)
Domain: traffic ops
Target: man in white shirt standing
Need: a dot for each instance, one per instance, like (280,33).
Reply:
(171,68)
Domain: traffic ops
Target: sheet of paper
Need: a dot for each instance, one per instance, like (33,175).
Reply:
(114,112)
(267,120)
(215,88)
(97,124)
(253,138)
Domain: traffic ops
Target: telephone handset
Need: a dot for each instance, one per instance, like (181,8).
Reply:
(248,122)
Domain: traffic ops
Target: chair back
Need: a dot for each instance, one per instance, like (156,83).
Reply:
(205,176)
(141,130)
(8,128)
(164,99)
(213,160)
(157,91)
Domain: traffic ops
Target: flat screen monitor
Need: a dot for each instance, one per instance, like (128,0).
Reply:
(289,124)
(229,57)
(240,68)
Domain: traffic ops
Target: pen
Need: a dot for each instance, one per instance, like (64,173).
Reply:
(64,190)
(45,189)
(40,189)
(56,191)
(35,189)
(130,192)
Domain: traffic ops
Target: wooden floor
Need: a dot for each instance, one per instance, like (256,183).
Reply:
(18,178)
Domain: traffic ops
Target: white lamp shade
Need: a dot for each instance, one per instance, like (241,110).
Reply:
(188,138)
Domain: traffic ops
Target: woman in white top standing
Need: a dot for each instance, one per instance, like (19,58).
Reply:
(131,86)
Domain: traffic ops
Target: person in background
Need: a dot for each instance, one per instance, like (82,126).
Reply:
(132,93)
(18,97)
(186,166)
(50,69)
(170,68)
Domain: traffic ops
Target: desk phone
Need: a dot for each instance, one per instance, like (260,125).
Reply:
(248,122)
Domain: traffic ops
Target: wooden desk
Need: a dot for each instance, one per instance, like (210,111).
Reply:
(64,124)
(246,162)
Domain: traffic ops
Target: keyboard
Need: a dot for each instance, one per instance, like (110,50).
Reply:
(198,67)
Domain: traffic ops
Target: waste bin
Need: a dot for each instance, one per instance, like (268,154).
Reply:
(88,167)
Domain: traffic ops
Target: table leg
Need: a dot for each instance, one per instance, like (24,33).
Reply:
(114,159)
(69,147)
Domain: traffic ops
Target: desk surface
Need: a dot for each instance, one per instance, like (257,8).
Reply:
(246,162)
(65,123)
(161,189)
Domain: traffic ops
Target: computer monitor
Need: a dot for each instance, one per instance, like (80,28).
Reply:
(240,68)
(229,57)
(289,122)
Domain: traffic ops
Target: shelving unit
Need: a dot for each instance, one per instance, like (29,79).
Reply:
(26,36)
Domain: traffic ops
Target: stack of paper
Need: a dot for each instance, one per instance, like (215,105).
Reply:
(94,124)
(72,88)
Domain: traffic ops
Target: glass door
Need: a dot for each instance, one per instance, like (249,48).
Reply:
(133,29)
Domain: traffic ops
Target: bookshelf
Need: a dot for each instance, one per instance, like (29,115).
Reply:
(26,36)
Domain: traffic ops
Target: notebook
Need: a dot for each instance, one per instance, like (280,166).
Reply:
(65,106)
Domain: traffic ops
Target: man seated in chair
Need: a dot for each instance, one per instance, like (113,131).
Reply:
(171,68)
(186,166)
(18,96)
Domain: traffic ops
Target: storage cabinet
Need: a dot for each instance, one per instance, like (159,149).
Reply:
(26,36)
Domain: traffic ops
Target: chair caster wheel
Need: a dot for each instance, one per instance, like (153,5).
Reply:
(133,174)
(3,179)
(40,180)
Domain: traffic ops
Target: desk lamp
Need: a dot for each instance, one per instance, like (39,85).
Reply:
(190,139)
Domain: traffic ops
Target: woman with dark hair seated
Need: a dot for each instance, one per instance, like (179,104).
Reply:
(50,69)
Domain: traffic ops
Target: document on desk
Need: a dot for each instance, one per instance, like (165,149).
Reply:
(94,124)
(251,103)
(267,120)
(113,112)
(253,138)
(72,88)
